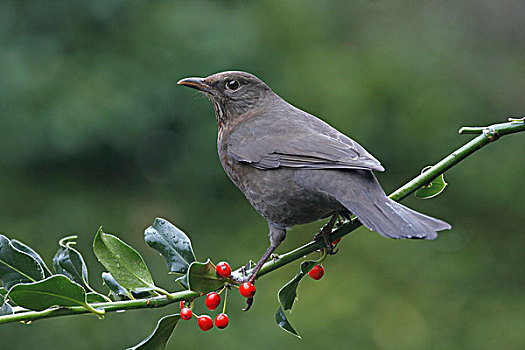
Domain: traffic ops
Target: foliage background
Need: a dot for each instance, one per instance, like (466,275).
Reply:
(94,131)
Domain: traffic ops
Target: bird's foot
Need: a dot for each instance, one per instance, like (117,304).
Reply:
(249,303)
(324,233)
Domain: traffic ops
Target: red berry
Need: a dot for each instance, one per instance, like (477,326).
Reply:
(212,301)
(336,241)
(221,321)
(205,322)
(223,269)
(186,313)
(247,289)
(317,272)
(181,304)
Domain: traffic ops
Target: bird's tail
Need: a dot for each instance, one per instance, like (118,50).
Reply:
(366,199)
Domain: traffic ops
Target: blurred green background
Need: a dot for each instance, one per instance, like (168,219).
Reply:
(95,131)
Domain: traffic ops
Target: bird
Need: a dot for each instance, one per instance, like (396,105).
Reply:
(294,168)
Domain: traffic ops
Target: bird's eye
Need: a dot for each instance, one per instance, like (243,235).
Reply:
(232,85)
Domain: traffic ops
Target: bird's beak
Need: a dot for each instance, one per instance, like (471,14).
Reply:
(195,83)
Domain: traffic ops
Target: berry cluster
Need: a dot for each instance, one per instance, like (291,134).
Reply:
(213,300)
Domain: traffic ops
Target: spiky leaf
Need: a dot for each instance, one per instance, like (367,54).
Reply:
(203,278)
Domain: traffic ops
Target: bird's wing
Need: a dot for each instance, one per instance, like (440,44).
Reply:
(304,141)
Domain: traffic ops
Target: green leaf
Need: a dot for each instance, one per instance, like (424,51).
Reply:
(282,322)
(288,293)
(69,262)
(29,251)
(160,336)
(203,278)
(432,189)
(123,262)
(173,244)
(17,266)
(57,290)
(94,297)
(114,287)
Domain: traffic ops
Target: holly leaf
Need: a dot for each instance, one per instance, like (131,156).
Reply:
(114,287)
(161,334)
(123,262)
(57,290)
(432,189)
(173,244)
(17,266)
(288,293)
(29,251)
(282,322)
(203,278)
(69,262)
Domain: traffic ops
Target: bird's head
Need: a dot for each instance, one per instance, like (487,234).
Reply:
(233,94)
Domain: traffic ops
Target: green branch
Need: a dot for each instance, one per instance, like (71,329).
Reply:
(486,136)
(154,302)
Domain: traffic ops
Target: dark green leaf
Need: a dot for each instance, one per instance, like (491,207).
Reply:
(29,251)
(17,266)
(282,322)
(288,292)
(69,262)
(173,244)
(113,286)
(143,294)
(432,189)
(160,336)
(57,290)
(123,262)
(203,278)
(94,297)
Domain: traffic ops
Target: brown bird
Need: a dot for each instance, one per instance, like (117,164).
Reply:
(294,168)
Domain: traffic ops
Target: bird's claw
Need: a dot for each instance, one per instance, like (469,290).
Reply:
(325,233)
(249,303)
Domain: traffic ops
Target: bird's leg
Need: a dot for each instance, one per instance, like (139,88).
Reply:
(277,235)
(325,233)
(260,263)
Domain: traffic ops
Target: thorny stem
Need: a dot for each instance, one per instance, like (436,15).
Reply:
(486,135)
